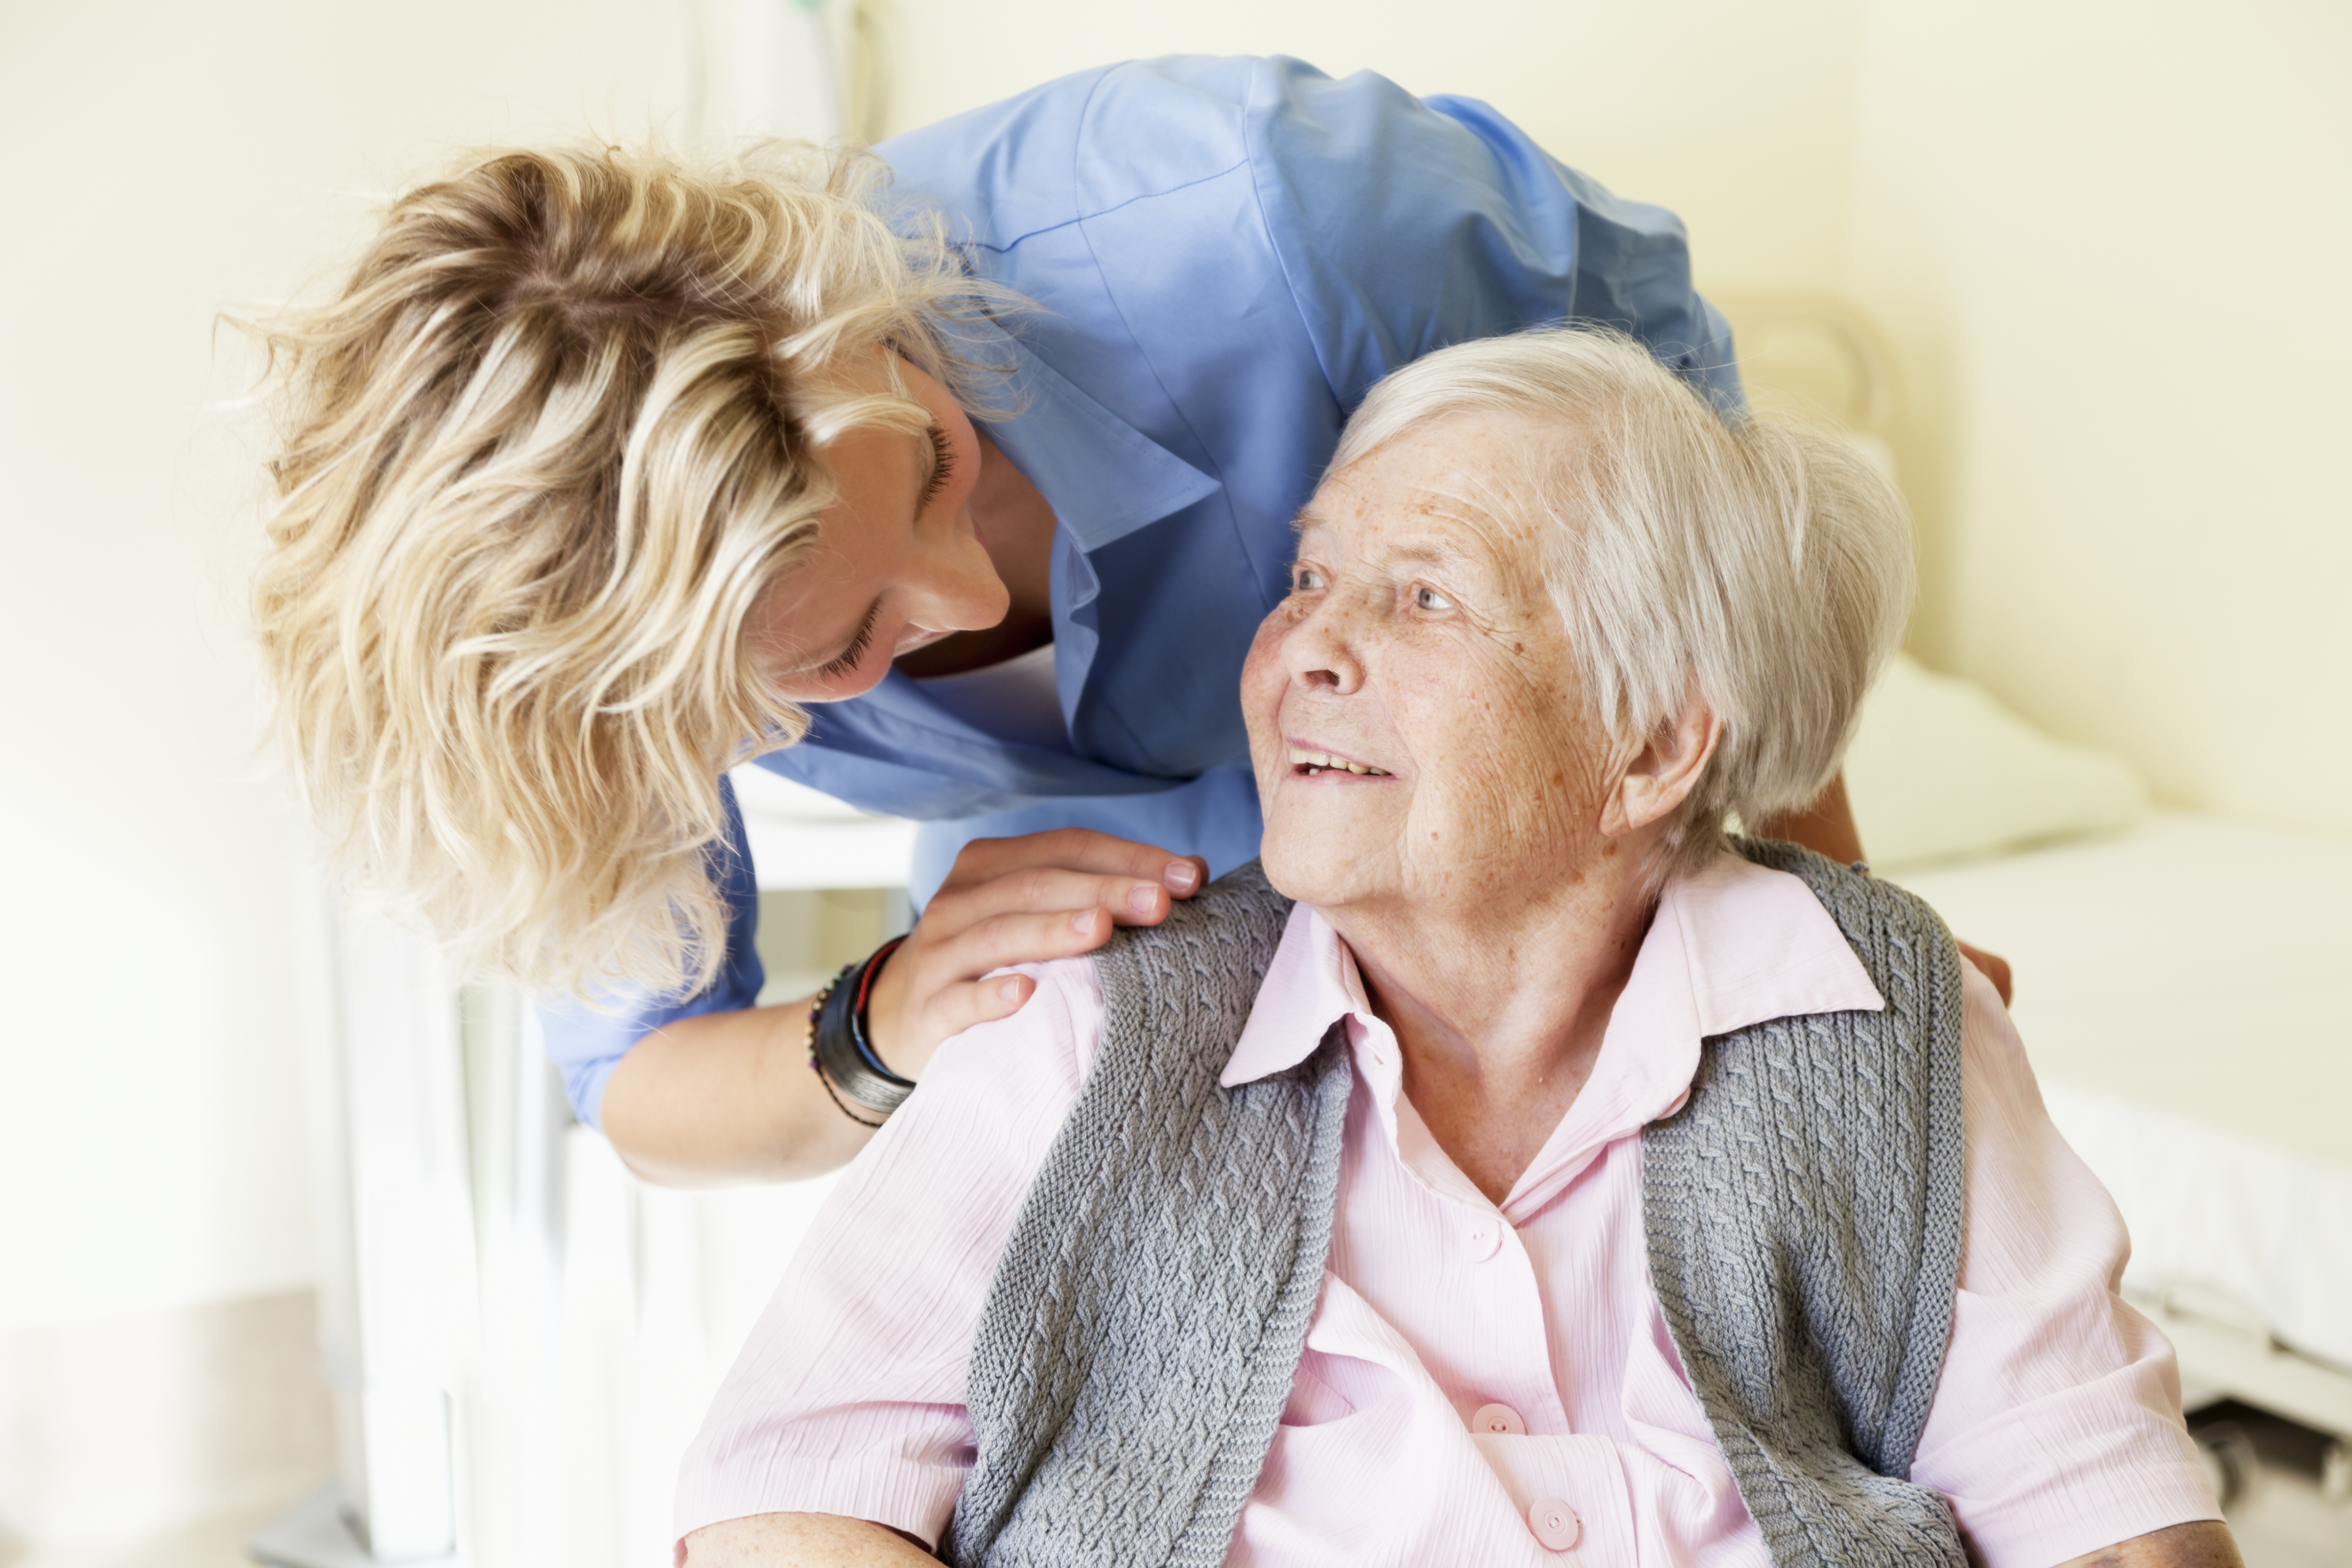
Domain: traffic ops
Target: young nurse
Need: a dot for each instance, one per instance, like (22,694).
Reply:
(951,480)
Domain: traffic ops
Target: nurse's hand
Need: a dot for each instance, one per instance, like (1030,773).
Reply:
(1992,965)
(1013,901)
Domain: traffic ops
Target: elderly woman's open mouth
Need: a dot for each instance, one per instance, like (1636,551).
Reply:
(1310,760)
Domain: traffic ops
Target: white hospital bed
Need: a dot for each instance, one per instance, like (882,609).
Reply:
(2179,993)
(2177,974)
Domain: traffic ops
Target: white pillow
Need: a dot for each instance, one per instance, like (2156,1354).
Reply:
(1939,770)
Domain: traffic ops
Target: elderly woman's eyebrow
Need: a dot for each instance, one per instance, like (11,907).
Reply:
(1435,550)
(1433,546)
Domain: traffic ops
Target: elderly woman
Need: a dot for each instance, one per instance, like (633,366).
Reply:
(1556,1175)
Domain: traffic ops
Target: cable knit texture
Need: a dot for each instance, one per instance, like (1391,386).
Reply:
(1147,1316)
(1139,1340)
(1804,1219)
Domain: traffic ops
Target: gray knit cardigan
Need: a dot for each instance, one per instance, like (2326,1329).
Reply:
(1803,1218)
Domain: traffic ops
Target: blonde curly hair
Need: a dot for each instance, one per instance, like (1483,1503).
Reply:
(537,458)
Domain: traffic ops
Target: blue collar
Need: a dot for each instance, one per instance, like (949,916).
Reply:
(1103,478)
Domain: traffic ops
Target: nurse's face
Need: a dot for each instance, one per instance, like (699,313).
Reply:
(897,564)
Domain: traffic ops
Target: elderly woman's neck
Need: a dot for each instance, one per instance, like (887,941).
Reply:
(1499,1008)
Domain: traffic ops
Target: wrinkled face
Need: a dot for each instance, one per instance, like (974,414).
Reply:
(1413,710)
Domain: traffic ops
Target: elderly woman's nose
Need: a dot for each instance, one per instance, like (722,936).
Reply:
(1322,647)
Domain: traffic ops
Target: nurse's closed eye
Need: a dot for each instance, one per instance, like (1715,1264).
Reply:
(942,466)
(854,654)
(1430,599)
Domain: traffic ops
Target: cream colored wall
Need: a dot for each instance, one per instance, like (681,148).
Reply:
(1733,114)
(2110,241)
(166,160)
(2105,237)
(175,160)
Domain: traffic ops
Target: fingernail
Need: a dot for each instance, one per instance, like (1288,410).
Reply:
(1083,922)
(1010,991)
(1143,899)
(1181,876)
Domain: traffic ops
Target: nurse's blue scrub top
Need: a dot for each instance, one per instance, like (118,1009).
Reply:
(1228,253)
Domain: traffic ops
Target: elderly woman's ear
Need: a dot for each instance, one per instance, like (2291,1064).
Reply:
(1665,770)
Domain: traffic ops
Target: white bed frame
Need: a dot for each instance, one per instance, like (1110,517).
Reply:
(443,1284)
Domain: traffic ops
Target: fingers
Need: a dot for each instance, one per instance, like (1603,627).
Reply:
(1994,968)
(1081,850)
(1012,938)
(930,991)
(1029,900)
(977,1002)
(1038,889)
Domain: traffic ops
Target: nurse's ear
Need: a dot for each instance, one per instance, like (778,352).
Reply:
(1665,770)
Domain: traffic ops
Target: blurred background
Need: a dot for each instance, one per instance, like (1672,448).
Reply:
(2098,248)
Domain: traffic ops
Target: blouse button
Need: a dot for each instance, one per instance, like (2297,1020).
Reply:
(1498,1419)
(1554,1524)
(1484,1239)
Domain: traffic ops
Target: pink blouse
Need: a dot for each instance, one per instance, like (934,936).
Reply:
(1480,1383)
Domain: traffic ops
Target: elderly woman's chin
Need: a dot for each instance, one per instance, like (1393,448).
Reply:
(1331,844)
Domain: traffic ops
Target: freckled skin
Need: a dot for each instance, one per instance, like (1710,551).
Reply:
(1476,706)
(2204,1544)
(1479,884)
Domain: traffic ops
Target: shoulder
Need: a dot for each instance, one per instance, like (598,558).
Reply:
(1031,1063)
(2056,1422)
(958,1155)
(1237,921)
(2036,1213)
(1088,143)
(1082,144)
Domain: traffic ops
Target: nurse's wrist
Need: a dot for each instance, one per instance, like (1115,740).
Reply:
(842,1054)
(884,1021)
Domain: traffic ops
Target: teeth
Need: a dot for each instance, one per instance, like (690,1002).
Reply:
(1302,758)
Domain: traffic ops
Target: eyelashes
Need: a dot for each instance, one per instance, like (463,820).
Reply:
(855,653)
(1305,579)
(943,461)
(943,466)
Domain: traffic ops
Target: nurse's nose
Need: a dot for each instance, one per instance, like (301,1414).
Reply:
(952,586)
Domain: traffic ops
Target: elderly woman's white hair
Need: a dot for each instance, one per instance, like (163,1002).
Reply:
(1766,565)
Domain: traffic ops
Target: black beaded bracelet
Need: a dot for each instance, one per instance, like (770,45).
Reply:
(838,1051)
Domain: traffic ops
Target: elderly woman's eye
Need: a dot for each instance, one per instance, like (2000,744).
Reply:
(1430,599)
(1305,579)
